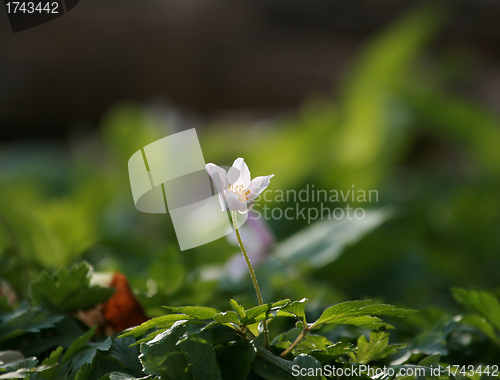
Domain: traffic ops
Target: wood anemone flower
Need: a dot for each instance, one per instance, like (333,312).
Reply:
(236,191)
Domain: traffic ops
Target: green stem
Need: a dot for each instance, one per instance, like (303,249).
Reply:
(297,341)
(252,275)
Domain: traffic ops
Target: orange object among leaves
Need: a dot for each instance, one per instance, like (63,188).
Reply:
(118,313)
(122,310)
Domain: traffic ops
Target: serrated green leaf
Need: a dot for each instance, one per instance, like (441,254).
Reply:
(482,303)
(297,308)
(69,290)
(377,348)
(271,367)
(197,312)
(363,308)
(83,372)
(227,317)
(253,328)
(235,359)
(51,363)
(164,320)
(193,359)
(431,360)
(288,336)
(281,303)
(387,311)
(78,344)
(193,328)
(256,314)
(223,334)
(200,356)
(161,356)
(371,323)
(237,308)
(332,352)
(19,323)
(314,342)
(481,324)
(87,354)
(150,336)
(123,351)
(344,309)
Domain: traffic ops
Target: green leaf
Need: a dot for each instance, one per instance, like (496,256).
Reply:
(83,372)
(28,321)
(255,314)
(201,359)
(288,336)
(343,313)
(429,361)
(387,311)
(344,309)
(297,308)
(371,323)
(161,355)
(253,328)
(237,308)
(78,344)
(197,312)
(377,348)
(271,367)
(87,354)
(223,334)
(195,327)
(123,351)
(481,324)
(235,359)
(150,336)
(124,376)
(312,366)
(482,303)
(193,359)
(51,363)
(324,241)
(281,303)
(332,352)
(69,290)
(164,320)
(227,317)
(314,342)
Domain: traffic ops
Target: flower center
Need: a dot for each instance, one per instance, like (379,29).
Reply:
(240,190)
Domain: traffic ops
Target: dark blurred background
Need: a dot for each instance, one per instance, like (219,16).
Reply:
(209,57)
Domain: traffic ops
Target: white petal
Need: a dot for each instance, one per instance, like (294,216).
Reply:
(234,203)
(217,174)
(258,185)
(239,174)
(222,201)
(219,179)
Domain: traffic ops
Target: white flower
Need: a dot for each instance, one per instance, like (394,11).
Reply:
(236,191)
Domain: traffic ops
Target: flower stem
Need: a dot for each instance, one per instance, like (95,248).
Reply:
(252,275)
(297,341)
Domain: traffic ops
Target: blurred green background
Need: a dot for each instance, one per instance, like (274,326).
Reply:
(397,122)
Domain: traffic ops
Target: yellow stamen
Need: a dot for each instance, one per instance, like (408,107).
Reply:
(240,190)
